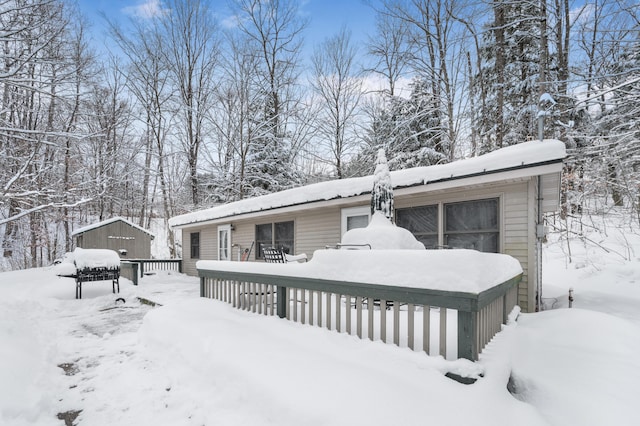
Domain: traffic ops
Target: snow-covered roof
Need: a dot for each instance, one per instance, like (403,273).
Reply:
(107,222)
(520,156)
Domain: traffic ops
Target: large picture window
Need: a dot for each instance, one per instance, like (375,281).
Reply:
(467,224)
(279,235)
(472,225)
(195,245)
(422,221)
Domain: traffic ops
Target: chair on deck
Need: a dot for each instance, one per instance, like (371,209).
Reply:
(276,255)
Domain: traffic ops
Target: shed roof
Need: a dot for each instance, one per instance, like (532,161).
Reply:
(515,157)
(108,222)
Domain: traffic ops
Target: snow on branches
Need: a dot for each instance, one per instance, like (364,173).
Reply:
(382,192)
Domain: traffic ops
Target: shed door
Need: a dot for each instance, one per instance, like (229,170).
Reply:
(224,242)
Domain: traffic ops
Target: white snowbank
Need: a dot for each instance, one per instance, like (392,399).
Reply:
(521,155)
(381,234)
(578,354)
(426,269)
(65,268)
(96,258)
(197,361)
(26,374)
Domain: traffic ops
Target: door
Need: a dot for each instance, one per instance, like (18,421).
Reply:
(224,242)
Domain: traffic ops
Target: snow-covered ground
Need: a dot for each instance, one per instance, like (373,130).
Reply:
(195,361)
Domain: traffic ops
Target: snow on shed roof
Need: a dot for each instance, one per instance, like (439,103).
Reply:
(523,155)
(107,222)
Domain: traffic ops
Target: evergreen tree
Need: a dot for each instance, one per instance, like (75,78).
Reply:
(617,146)
(382,192)
(409,130)
(511,55)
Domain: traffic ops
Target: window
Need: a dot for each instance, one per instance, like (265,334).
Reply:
(279,235)
(283,236)
(195,245)
(224,242)
(264,238)
(472,225)
(422,221)
(355,217)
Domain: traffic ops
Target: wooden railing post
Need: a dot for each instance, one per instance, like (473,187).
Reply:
(202,286)
(467,333)
(134,267)
(128,265)
(282,301)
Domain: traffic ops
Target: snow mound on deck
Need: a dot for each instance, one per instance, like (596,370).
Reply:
(423,269)
(96,258)
(381,234)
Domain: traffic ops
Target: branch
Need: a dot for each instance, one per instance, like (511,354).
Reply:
(42,207)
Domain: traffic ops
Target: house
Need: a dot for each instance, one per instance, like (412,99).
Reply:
(491,203)
(129,240)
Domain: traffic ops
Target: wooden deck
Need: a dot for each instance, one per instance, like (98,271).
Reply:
(417,318)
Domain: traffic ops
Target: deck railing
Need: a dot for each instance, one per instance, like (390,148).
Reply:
(129,270)
(133,269)
(421,319)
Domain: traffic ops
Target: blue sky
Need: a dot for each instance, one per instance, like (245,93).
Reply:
(326,16)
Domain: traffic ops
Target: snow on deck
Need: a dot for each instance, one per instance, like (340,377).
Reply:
(521,155)
(467,271)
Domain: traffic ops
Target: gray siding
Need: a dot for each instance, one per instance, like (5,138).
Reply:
(116,236)
(316,230)
(208,242)
(319,227)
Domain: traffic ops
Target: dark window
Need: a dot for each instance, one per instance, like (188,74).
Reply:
(283,236)
(264,238)
(195,245)
(472,225)
(422,221)
(279,235)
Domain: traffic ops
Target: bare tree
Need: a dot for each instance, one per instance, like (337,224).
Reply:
(338,86)
(238,102)
(147,80)
(191,50)
(274,31)
(389,48)
(34,81)
(436,54)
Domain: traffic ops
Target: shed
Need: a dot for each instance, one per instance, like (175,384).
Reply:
(118,234)
(490,203)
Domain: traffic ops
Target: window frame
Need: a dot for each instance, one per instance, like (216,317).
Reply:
(487,231)
(195,255)
(348,212)
(259,255)
(441,208)
(436,233)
